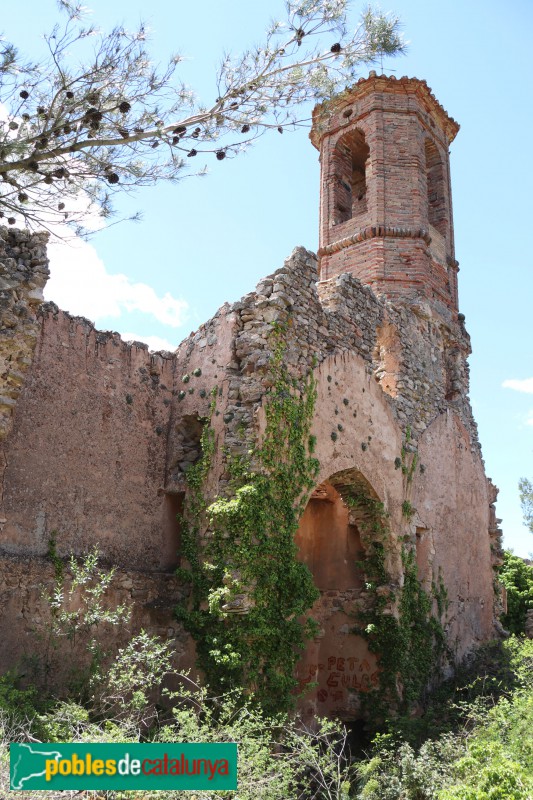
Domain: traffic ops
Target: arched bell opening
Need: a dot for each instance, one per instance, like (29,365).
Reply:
(436,188)
(337,668)
(350,159)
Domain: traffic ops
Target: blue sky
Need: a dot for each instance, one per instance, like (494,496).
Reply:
(207,240)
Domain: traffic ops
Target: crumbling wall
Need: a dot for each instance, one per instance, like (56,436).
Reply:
(25,615)
(86,457)
(104,432)
(365,414)
(338,315)
(23,274)
(83,422)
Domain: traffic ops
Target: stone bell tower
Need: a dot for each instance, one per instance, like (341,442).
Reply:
(385,206)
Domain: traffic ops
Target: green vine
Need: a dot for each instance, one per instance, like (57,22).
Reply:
(249,592)
(398,623)
(408,460)
(194,516)
(408,510)
(55,558)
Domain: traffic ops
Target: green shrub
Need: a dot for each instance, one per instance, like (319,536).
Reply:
(488,752)
(16,702)
(398,771)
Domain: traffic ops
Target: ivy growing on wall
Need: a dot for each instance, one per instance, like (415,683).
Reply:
(249,592)
(397,622)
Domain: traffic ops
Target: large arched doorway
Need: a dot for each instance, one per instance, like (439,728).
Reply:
(337,668)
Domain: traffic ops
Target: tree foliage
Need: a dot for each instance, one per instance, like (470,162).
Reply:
(526,499)
(96,116)
(517,577)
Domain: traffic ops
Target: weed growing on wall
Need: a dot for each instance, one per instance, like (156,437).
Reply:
(398,622)
(71,633)
(249,592)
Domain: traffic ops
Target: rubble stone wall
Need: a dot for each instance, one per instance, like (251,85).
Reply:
(25,615)
(103,434)
(23,274)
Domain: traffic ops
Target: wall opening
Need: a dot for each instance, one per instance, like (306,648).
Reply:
(187,447)
(338,661)
(423,557)
(350,158)
(436,193)
(187,450)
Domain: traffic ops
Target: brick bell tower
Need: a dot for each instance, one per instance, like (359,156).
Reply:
(385,198)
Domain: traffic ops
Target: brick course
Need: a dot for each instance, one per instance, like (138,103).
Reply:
(401,242)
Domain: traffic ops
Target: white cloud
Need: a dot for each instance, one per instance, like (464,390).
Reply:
(520,386)
(80,284)
(154,342)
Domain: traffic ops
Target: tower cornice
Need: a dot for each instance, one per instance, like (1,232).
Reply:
(323,114)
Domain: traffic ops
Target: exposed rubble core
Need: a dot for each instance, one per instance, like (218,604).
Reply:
(23,275)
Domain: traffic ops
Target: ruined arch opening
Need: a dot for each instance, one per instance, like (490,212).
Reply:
(436,194)
(333,539)
(350,158)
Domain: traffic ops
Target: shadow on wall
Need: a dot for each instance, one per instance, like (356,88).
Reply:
(337,662)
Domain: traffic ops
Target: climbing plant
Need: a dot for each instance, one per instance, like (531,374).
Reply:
(249,592)
(397,622)
(407,461)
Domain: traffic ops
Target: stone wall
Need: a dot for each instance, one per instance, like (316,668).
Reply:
(86,456)
(23,274)
(25,615)
(83,428)
(104,432)
(382,369)
(418,359)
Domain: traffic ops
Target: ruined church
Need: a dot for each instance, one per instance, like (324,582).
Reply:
(97,435)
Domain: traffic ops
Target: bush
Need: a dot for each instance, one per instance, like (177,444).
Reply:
(472,743)
(279,759)
(17,703)
(489,754)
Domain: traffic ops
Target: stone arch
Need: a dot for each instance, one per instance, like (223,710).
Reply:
(350,157)
(436,187)
(333,539)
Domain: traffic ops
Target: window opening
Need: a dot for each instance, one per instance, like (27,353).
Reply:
(350,160)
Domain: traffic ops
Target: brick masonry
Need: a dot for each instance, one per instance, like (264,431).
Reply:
(400,241)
